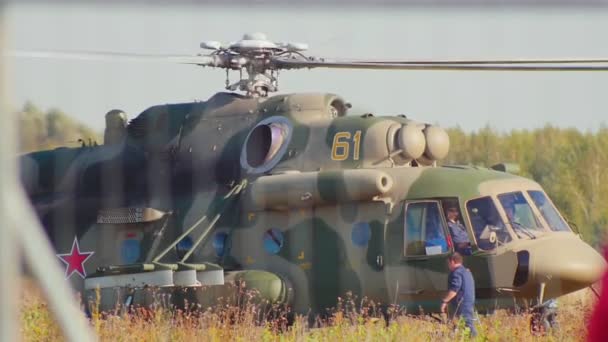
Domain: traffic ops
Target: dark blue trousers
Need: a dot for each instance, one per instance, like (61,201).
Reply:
(467,312)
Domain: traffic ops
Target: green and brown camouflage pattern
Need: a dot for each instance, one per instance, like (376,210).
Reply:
(182,159)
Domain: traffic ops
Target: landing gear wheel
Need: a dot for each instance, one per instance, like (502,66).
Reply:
(543,320)
(537,328)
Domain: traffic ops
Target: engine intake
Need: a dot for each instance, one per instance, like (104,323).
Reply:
(266,144)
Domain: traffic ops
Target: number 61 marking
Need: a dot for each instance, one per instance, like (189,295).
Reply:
(340,148)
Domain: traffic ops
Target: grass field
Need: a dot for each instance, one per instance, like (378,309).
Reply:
(242,323)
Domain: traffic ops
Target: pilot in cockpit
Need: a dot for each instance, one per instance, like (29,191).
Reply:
(488,226)
(460,237)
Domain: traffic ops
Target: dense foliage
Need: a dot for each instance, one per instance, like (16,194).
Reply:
(41,130)
(569,164)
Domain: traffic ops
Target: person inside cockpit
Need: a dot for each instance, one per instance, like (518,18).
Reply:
(488,238)
(459,234)
(487,225)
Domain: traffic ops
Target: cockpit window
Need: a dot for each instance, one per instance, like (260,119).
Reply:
(424,229)
(548,211)
(520,214)
(488,227)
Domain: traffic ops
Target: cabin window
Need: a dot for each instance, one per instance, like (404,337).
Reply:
(424,229)
(488,227)
(520,215)
(551,215)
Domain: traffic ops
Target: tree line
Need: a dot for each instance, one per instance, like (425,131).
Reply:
(570,165)
(41,130)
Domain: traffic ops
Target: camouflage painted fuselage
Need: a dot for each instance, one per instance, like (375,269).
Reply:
(323,210)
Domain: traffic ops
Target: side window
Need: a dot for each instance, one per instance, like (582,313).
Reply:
(488,227)
(424,229)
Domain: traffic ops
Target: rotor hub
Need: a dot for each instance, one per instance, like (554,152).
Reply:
(254,54)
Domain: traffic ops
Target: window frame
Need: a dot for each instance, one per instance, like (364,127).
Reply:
(443,221)
(542,217)
(501,214)
(544,227)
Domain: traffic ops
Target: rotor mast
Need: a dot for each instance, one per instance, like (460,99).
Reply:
(254,54)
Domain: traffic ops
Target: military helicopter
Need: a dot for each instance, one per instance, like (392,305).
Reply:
(295,198)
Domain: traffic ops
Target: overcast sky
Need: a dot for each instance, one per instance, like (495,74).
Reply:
(478,3)
(508,100)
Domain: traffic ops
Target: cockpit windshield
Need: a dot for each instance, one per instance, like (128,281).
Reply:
(550,214)
(491,231)
(488,227)
(520,214)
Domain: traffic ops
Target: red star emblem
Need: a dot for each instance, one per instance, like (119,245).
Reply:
(75,260)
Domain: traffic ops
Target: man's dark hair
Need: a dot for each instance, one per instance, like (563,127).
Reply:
(455,257)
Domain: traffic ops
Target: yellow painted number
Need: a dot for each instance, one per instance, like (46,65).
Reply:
(357,142)
(340,149)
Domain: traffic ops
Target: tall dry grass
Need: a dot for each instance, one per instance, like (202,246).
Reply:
(250,320)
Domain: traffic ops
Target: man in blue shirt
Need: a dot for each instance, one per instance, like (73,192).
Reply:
(458,231)
(461,292)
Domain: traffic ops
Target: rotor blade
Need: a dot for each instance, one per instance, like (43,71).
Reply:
(485,61)
(112,56)
(300,64)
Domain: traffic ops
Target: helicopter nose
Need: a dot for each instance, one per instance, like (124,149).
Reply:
(567,262)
